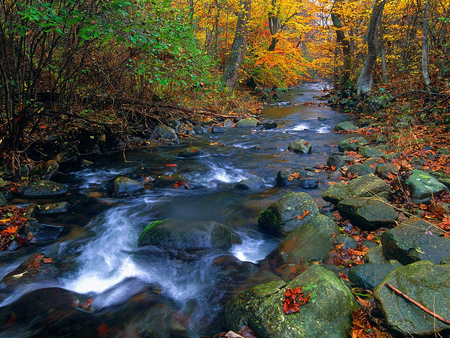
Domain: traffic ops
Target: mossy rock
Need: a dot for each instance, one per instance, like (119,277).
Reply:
(424,186)
(248,122)
(352,143)
(190,152)
(301,147)
(123,186)
(44,188)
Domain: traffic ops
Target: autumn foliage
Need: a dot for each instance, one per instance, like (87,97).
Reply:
(294,299)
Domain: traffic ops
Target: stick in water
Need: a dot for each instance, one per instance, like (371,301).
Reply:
(420,306)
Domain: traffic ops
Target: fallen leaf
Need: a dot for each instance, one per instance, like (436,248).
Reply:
(305,213)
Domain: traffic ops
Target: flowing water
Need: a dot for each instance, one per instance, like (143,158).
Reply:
(127,288)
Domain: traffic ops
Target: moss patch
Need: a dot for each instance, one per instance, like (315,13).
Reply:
(270,219)
(151,234)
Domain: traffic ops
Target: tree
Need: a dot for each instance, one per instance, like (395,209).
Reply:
(425,45)
(344,43)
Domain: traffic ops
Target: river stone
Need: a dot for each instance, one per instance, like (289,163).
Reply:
(327,314)
(254,183)
(384,170)
(164,133)
(303,178)
(218,129)
(370,152)
(375,255)
(248,122)
(364,186)
(186,235)
(369,276)
(414,241)
(367,213)
(427,284)
(123,186)
(190,152)
(3,200)
(352,143)
(43,233)
(347,241)
(269,125)
(345,126)
(53,208)
(359,169)
(423,186)
(290,212)
(200,130)
(45,170)
(440,176)
(301,147)
(44,188)
(312,241)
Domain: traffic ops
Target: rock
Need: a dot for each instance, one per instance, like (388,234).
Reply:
(253,184)
(352,143)
(364,186)
(54,208)
(186,235)
(423,186)
(199,130)
(441,177)
(337,160)
(369,151)
(45,170)
(269,125)
(349,243)
(3,200)
(190,152)
(43,233)
(125,186)
(428,285)
(164,133)
(384,170)
(359,169)
(375,255)
(345,126)
(327,314)
(300,146)
(218,129)
(228,124)
(303,178)
(44,188)
(290,212)
(369,276)
(248,122)
(367,213)
(312,241)
(414,241)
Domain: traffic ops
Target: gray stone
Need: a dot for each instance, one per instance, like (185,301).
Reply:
(384,170)
(123,186)
(303,178)
(367,213)
(54,208)
(290,212)
(359,169)
(200,130)
(248,122)
(327,314)
(300,146)
(190,152)
(43,233)
(345,126)
(375,255)
(369,276)
(336,161)
(186,235)
(45,170)
(352,143)
(164,133)
(218,129)
(423,186)
(44,188)
(269,125)
(414,241)
(253,184)
(370,151)
(349,243)
(312,241)
(428,285)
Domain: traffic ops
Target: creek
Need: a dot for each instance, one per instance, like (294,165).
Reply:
(124,288)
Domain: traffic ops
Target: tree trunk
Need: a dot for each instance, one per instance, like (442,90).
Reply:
(365,79)
(383,52)
(425,45)
(346,51)
(231,71)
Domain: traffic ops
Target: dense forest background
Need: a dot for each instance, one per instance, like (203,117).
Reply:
(76,69)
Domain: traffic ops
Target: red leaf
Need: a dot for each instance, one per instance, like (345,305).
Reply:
(294,299)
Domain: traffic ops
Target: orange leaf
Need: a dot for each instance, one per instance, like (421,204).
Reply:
(303,215)
(170,165)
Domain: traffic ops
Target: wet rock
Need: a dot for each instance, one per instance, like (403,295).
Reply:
(384,170)
(375,255)
(327,314)
(164,133)
(367,213)
(44,188)
(300,147)
(53,208)
(312,241)
(253,184)
(269,125)
(427,284)
(303,178)
(347,241)
(369,276)
(288,213)
(370,151)
(337,160)
(3,200)
(352,143)
(228,124)
(364,186)
(345,126)
(414,241)
(43,233)
(359,169)
(45,170)
(190,152)
(218,129)
(424,186)
(249,122)
(200,130)
(125,186)
(186,235)
(441,177)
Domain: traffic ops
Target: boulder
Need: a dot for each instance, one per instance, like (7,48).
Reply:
(303,178)
(367,213)
(254,183)
(369,152)
(427,284)
(364,186)
(424,186)
(218,129)
(164,133)
(375,255)
(45,170)
(248,122)
(369,276)
(349,243)
(125,186)
(200,130)
(269,125)
(44,188)
(352,143)
(300,147)
(327,314)
(312,241)
(290,212)
(345,126)
(190,152)
(43,233)
(359,169)
(181,234)
(53,208)
(414,241)
(384,170)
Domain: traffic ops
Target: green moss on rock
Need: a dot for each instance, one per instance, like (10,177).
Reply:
(270,219)
(151,234)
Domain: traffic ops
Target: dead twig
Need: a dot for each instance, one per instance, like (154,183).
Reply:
(420,306)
